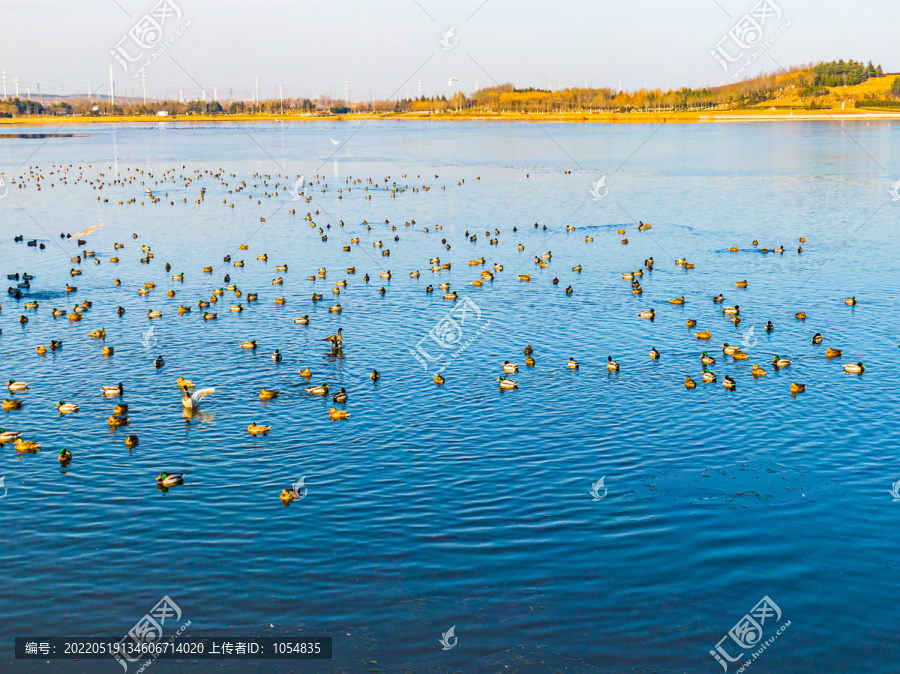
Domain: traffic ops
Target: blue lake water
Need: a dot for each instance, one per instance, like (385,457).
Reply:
(460,505)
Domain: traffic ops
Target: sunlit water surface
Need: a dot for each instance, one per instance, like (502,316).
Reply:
(460,505)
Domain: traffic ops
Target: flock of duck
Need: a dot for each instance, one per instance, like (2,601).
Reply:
(193,398)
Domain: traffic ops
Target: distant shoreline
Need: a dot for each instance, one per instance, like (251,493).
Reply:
(696,117)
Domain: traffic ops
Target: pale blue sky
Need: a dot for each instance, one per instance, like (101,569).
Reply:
(387,48)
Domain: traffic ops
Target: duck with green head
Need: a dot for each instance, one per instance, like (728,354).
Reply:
(170,479)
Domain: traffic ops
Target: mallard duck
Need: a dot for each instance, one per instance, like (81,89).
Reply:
(736,319)
(8,436)
(375,376)
(797,388)
(154,314)
(741,284)
(14,385)
(178,277)
(64,456)
(706,359)
(281,267)
(637,291)
(257,429)
(654,354)
(832,353)
(266,394)
(677,300)
(689,383)
(249,345)
(729,383)
(306,372)
(718,299)
(27,446)
(32,305)
(236,307)
(740,355)
(207,270)
(647,313)
(73,317)
(690,322)
(159,362)
(340,397)
(769,326)
(132,441)
(726,348)
(303,320)
(58,312)
(108,351)
(801,315)
(709,377)
(97,334)
(41,350)
(117,421)
(336,309)
(704,334)
(277,281)
(191,401)
(276,356)
(182,310)
(850,300)
(507,384)
(451,296)
(203,304)
(817,338)
(734,249)
(778,362)
(170,479)
(337,415)
(320,390)
(207,316)
(524,277)
(510,367)
(120,410)
(731,311)
(611,365)
(184,384)
(628,276)
(529,361)
(438,379)
(757,371)
(573,364)
(112,391)
(854,368)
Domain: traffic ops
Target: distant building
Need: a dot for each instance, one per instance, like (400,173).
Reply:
(162,113)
